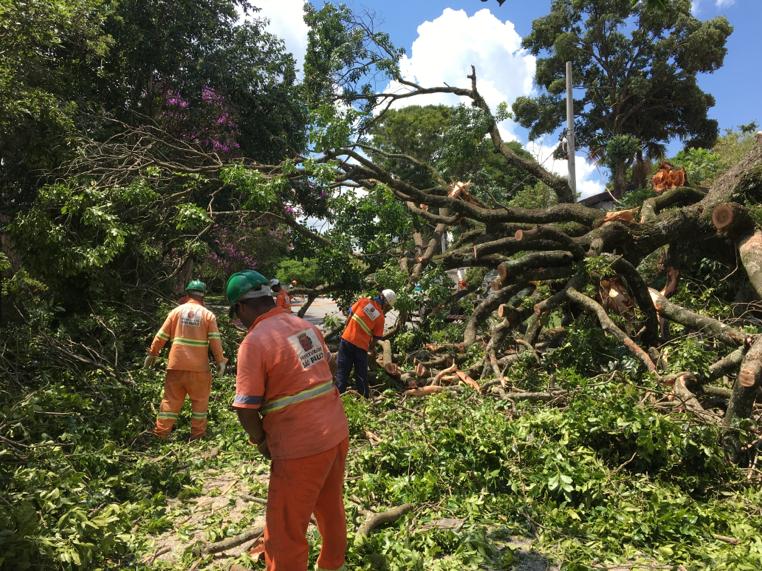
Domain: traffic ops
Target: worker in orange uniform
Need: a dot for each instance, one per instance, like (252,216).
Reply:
(364,326)
(288,405)
(282,299)
(192,330)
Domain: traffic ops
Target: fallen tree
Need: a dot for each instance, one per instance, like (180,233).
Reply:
(566,252)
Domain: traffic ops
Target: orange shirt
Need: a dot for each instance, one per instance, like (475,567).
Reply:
(283,300)
(192,329)
(365,322)
(286,356)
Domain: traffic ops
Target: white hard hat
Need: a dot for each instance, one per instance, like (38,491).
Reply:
(389,296)
(274,282)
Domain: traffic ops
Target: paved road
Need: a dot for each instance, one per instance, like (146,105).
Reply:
(320,308)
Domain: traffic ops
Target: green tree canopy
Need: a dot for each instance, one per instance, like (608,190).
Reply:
(635,68)
(419,143)
(189,66)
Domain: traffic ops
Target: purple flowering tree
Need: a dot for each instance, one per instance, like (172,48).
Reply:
(210,121)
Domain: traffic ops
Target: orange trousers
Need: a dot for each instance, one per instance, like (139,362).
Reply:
(197,385)
(300,487)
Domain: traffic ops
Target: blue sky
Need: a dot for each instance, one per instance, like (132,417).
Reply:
(442,38)
(737,86)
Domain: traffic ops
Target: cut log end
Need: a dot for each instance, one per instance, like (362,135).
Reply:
(722,217)
(731,219)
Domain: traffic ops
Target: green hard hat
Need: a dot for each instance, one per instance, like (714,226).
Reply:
(243,282)
(196,285)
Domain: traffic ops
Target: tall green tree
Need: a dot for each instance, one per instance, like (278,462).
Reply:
(635,71)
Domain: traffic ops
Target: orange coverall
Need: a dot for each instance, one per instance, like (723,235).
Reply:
(283,372)
(283,300)
(192,330)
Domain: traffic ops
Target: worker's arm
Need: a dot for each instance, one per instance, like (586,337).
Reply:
(164,335)
(332,364)
(252,424)
(249,394)
(215,341)
(378,334)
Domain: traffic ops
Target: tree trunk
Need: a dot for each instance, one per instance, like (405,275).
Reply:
(620,180)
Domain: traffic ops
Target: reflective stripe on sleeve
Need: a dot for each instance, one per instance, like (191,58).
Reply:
(163,336)
(306,395)
(214,336)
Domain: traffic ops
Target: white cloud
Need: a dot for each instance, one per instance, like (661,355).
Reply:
(447,46)
(287,22)
(695,7)
(588,175)
(724,3)
(444,51)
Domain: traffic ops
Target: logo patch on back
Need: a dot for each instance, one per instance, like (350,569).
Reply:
(191,317)
(307,347)
(371,311)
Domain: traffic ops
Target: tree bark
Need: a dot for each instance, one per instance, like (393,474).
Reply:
(746,385)
(714,327)
(609,326)
(376,520)
(750,250)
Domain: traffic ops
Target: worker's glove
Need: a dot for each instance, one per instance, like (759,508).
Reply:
(221,367)
(149,361)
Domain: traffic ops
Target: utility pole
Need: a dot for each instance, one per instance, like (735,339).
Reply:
(570,130)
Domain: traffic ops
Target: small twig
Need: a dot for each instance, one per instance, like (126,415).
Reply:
(726,539)
(160,551)
(256,530)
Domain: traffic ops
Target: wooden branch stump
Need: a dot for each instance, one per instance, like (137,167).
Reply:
(376,520)
(689,400)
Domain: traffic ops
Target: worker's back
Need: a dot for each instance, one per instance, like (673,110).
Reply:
(365,322)
(192,329)
(283,362)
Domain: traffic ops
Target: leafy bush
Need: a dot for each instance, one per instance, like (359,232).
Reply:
(700,164)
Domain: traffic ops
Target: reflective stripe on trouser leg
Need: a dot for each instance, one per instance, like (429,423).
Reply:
(174,395)
(198,385)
